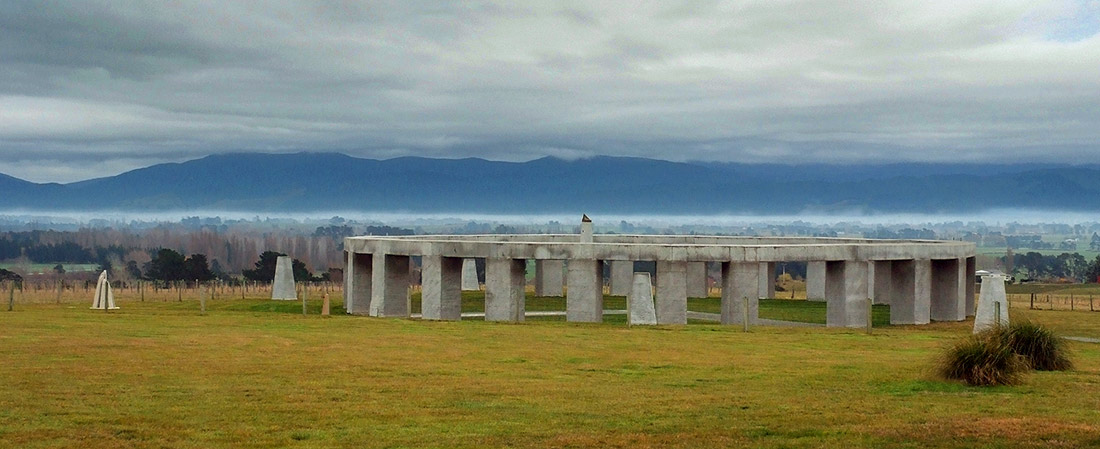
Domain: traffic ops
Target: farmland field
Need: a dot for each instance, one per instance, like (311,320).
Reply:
(257,373)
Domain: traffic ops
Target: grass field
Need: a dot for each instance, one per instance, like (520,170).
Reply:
(40,268)
(256,373)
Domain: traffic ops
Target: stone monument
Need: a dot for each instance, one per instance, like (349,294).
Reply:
(469,275)
(283,286)
(639,303)
(104,297)
(586,229)
(992,303)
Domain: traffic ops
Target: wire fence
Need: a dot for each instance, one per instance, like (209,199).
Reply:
(1043,301)
(81,291)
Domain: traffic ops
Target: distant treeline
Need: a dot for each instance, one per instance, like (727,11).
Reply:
(228,249)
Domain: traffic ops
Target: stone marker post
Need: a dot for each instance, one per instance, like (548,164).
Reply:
(870,308)
(324,305)
(305,291)
(639,305)
(992,304)
(202,298)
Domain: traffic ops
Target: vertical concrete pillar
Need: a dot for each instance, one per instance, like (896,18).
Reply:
(549,277)
(767,280)
(671,292)
(390,286)
(504,289)
(639,304)
(697,279)
(469,275)
(740,281)
(971,280)
(358,277)
(584,296)
(882,273)
(911,297)
(948,303)
(441,280)
(846,293)
(622,276)
(815,281)
(283,286)
(586,229)
(993,304)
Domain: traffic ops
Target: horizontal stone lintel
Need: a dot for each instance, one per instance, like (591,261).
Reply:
(666,248)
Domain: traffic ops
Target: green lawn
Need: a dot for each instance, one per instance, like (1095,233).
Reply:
(256,373)
(48,267)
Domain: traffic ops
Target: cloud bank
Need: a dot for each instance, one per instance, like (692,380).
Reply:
(93,88)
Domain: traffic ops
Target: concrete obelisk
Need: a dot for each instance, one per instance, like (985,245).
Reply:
(283,286)
(104,297)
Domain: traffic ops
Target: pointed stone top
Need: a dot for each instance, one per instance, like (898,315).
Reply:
(585,219)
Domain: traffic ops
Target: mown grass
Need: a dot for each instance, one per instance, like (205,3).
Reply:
(256,373)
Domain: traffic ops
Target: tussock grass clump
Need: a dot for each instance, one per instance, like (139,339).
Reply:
(984,359)
(1040,347)
(999,355)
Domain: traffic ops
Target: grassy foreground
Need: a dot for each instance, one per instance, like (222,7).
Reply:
(255,373)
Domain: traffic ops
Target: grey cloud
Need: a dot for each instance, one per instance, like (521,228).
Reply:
(133,82)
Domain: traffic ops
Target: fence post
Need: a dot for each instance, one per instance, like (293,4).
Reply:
(303,299)
(1032,301)
(870,310)
(1071,307)
(11,297)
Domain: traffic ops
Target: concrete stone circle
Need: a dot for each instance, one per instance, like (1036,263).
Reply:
(922,280)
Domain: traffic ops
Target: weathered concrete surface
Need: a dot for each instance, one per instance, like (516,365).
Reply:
(586,230)
(390,286)
(441,280)
(469,276)
(882,272)
(846,294)
(622,276)
(740,288)
(971,282)
(283,286)
(104,297)
(671,292)
(639,301)
(815,281)
(504,289)
(674,254)
(687,248)
(347,282)
(697,280)
(948,303)
(584,294)
(911,284)
(993,303)
(549,277)
(767,280)
(359,276)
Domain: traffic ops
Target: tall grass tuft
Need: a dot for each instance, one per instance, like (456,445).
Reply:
(984,359)
(1040,347)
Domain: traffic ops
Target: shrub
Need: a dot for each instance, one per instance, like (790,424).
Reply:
(1039,346)
(983,359)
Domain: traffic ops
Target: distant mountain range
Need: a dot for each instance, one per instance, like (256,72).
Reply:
(305,182)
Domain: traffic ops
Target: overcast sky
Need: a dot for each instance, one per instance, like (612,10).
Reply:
(94,88)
